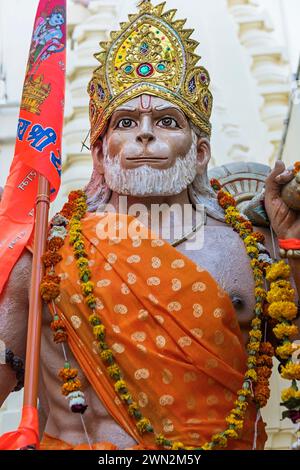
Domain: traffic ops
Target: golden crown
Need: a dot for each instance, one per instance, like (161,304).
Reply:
(35,93)
(151,54)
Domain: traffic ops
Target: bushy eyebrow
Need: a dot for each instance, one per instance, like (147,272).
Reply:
(167,107)
(126,108)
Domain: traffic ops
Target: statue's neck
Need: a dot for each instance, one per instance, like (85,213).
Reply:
(158,212)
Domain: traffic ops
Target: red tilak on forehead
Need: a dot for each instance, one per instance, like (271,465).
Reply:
(146,102)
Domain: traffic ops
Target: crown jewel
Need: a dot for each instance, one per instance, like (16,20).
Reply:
(151,54)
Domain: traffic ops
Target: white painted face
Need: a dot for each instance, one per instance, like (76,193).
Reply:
(149,149)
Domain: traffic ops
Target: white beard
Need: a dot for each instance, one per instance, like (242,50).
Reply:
(146,181)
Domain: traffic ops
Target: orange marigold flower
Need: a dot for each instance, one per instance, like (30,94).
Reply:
(267,348)
(259,237)
(60,337)
(261,394)
(215,184)
(67,374)
(55,243)
(71,386)
(51,258)
(75,195)
(264,360)
(57,325)
(296,168)
(264,371)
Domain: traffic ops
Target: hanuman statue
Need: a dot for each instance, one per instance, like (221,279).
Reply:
(157,345)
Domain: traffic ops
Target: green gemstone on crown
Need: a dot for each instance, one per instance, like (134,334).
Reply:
(161,67)
(128,69)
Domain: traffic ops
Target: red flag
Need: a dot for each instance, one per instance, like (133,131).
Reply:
(27,435)
(39,133)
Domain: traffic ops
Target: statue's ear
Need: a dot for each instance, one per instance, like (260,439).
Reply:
(97,154)
(203,154)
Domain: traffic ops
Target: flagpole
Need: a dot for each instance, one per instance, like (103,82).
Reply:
(35,302)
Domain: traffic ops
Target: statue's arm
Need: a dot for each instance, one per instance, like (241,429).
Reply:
(13,319)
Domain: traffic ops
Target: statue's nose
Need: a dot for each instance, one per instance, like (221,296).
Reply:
(146,134)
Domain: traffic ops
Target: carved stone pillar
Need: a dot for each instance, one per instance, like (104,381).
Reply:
(269,67)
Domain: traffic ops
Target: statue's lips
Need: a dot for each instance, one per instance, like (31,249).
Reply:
(147,159)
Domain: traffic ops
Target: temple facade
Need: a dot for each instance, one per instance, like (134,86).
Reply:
(249,48)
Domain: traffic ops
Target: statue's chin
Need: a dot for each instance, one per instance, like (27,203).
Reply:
(143,194)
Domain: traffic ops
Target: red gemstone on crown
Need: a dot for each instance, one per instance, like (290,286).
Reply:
(145,70)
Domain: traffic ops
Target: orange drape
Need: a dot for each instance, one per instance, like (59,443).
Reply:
(173,331)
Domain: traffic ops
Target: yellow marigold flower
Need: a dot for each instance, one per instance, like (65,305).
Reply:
(206,446)
(133,408)
(252,250)
(279,310)
(99,331)
(244,393)
(91,301)
(291,371)
(238,413)
(289,393)
(94,320)
(252,360)
(256,322)
(242,405)
(125,397)
(237,423)
(79,245)
(160,439)
(114,371)
(82,262)
(220,440)
(143,424)
(177,446)
(259,292)
(120,385)
(250,240)
(254,346)
(277,271)
(278,294)
(231,434)
(106,355)
(285,351)
(255,334)
(281,331)
(251,374)
(87,288)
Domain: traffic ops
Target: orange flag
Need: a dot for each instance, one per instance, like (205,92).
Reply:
(39,133)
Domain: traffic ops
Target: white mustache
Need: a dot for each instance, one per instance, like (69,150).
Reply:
(145,181)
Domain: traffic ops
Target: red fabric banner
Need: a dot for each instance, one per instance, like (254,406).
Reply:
(39,133)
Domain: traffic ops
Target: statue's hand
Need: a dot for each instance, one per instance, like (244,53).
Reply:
(285,221)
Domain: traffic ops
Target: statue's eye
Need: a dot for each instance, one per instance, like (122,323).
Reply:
(168,122)
(126,124)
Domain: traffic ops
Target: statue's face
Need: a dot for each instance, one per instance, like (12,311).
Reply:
(149,149)
(148,131)
(56,19)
